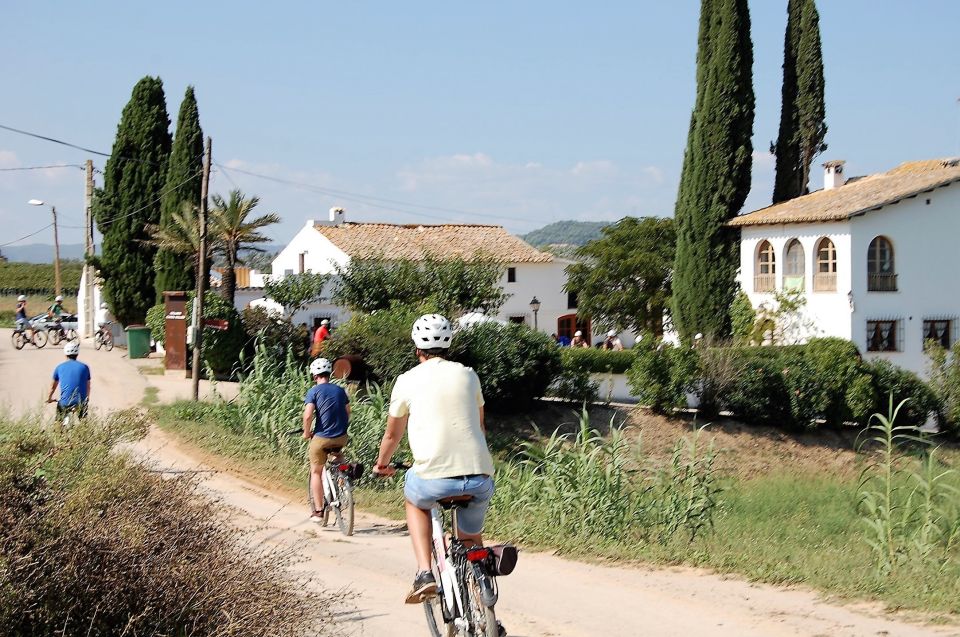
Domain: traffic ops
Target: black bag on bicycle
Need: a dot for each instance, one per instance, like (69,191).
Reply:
(502,560)
(355,471)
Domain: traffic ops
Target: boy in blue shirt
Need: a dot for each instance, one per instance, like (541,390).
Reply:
(326,412)
(73,377)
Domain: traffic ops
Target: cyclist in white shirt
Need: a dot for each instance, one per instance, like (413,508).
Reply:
(103,317)
(439,405)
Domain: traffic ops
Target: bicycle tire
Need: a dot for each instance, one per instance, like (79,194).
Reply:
(345,508)
(433,609)
(72,335)
(54,336)
(39,338)
(97,342)
(482,619)
(108,341)
(18,340)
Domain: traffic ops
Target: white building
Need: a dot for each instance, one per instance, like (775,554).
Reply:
(875,256)
(528,273)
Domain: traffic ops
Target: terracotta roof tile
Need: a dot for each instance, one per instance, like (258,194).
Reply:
(859,195)
(393,241)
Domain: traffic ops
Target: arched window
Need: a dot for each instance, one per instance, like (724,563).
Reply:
(881,275)
(825,276)
(793,270)
(765,275)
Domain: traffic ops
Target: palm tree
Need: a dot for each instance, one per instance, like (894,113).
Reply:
(231,231)
(181,235)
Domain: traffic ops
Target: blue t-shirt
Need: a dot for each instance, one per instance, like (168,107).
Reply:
(331,404)
(73,377)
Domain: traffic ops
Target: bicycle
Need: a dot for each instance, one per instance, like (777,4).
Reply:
(69,416)
(57,334)
(38,338)
(466,577)
(338,477)
(103,338)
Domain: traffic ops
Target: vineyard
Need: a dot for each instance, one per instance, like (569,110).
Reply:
(38,279)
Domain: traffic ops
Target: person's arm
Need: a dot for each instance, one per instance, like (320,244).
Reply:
(89,384)
(309,409)
(53,388)
(483,422)
(396,427)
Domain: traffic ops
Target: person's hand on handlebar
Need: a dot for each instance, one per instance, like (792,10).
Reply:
(384,470)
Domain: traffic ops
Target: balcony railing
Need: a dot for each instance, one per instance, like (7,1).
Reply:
(825,282)
(793,282)
(882,282)
(764,282)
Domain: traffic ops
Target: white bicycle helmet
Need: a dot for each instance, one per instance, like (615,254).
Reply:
(321,366)
(612,333)
(58,299)
(432,331)
(103,306)
(22,297)
(71,349)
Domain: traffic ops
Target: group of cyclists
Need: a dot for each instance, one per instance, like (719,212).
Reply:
(55,313)
(439,406)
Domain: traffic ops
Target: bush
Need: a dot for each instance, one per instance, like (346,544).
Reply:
(818,379)
(382,339)
(137,553)
(598,361)
(574,382)
(759,395)
(515,364)
(157,322)
(661,375)
(221,348)
(888,380)
(945,383)
(276,334)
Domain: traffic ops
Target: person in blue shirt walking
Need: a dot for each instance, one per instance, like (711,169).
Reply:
(73,377)
(326,414)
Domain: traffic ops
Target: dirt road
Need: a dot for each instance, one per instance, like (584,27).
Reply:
(546,596)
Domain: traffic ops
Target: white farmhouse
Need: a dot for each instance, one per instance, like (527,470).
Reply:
(875,256)
(528,273)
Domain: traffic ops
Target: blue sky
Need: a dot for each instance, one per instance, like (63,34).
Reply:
(518,113)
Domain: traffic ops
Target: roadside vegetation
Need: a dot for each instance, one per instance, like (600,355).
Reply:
(92,543)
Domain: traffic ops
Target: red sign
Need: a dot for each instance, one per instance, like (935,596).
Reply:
(217,324)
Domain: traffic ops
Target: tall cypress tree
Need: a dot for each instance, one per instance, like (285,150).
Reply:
(132,185)
(802,111)
(183,182)
(716,171)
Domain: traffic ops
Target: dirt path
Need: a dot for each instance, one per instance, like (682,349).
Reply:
(546,596)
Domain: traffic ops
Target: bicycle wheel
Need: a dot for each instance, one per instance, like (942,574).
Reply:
(55,336)
(39,338)
(18,340)
(433,609)
(71,335)
(482,619)
(97,341)
(345,509)
(108,341)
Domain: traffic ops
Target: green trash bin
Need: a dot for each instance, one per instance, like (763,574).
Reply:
(138,341)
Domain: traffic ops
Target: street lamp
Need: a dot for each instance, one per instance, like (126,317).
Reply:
(56,244)
(535,306)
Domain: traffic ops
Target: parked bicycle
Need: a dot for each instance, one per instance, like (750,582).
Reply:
(466,577)
(37,338)
(338,476)
(103,338)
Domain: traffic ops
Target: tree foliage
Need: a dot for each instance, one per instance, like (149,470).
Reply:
(176,270)
(130,201)
(233,230)
(715,179)
(803,108)
(453,286)
(622,280)
(295,291)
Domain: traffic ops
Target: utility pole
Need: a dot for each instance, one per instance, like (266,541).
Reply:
(201,270)
(88,251)
(56,253)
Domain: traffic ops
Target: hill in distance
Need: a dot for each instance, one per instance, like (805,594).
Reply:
(567,233)
(42,252)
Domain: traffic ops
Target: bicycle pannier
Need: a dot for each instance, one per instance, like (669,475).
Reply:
(356,471)
(503,559)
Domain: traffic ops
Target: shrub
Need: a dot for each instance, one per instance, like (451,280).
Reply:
(889,380)
(277,334)
(221,348)
(157,322)
(661,375)
(574,382)
(945,383)
(818,375)
(598,361)
(382,339)
(515,364)
(758,395)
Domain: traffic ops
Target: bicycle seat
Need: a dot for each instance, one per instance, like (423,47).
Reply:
(458,501)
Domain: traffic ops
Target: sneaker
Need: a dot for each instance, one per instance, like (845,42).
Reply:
(501,631)
(317,516)
(424,587)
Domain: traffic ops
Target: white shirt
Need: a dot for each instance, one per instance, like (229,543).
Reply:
(443,400)
(101,316)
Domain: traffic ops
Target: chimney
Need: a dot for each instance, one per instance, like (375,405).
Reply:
(311,223)
(336,216)
(833,174)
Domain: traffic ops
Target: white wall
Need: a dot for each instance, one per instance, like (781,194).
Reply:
(927,262)
(320,254)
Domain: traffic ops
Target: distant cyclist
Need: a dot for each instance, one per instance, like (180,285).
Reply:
(23,323)
(73,377)
(103,318)
(439,404)
(56,311)
(326,415)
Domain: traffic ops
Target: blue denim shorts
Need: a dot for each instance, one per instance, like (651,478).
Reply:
(424,493)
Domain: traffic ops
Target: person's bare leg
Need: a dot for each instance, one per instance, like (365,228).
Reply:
(470,540)
(419,526)
(316,486)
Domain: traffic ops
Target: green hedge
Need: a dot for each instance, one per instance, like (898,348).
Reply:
(598,361)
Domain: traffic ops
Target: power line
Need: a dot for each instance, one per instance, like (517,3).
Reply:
(75,146)
(27,236)
(42,167)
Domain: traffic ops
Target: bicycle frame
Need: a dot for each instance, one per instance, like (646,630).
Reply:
(449,589)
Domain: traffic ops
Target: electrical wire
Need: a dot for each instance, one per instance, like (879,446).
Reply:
(77,147)
(27,236)
(42,167)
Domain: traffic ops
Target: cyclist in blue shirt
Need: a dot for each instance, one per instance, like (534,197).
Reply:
(326,413)
(73,377)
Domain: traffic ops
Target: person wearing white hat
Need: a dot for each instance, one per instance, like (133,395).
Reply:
(23,323)
(73,377)
(322,334)
(578,340)
(102,318)
(612,342)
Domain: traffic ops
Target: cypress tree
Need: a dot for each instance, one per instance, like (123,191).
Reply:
(802,111)
(715,179)
(177,271)
(132,185)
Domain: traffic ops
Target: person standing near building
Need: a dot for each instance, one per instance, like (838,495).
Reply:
(322,334)
(612,342)
(578,340)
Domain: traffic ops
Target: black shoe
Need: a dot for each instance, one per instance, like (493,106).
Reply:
(424,587)
(501,631)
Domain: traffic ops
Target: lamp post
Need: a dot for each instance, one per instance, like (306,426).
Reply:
(56,245)
(535,306)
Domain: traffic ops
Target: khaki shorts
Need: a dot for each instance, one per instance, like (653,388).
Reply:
(319,446)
